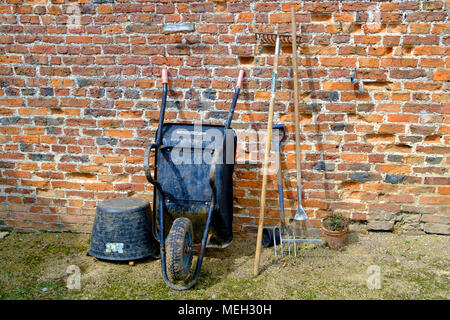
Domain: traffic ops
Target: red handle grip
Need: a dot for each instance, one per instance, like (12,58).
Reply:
(240,78)
(164,76)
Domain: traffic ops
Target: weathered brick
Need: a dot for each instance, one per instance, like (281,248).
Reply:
(441,75)
(437,228)
(381,225)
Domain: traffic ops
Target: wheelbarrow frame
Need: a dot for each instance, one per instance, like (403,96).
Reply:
(160,193)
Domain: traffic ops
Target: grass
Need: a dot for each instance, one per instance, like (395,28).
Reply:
(33,266)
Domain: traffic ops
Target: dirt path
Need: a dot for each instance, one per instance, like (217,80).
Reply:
(33,266)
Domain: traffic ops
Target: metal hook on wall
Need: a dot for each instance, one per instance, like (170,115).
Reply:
(353,79)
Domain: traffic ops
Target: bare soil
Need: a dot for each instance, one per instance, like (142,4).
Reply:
(33,266)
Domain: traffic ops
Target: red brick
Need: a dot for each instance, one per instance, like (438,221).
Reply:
(438,200)
(431,63)
(119,133)
(399,62)
(321,6)
(78,39)
(338,62)
(403,118)
(441,75)
(98,186)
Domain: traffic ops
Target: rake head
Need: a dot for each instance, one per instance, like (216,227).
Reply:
(271,38)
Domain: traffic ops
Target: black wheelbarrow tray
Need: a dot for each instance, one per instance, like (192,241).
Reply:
(193,191)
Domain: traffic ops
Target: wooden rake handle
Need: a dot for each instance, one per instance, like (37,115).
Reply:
(266,159)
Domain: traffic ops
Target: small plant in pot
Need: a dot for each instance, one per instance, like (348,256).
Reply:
(334,228)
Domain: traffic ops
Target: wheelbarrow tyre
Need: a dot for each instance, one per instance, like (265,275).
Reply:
(179,249)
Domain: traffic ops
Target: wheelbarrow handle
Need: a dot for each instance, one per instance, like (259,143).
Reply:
(240,79)
(164,78)
(147,170)
(235,97)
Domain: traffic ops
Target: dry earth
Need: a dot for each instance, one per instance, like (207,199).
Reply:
(33,266)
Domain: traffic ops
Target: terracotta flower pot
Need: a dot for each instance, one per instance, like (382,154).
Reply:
(335,239)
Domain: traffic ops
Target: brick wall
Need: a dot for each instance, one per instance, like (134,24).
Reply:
(79,101)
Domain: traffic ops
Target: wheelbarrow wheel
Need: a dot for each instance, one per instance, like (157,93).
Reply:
(179,249)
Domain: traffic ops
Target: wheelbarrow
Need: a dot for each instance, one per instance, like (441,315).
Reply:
(193,191)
